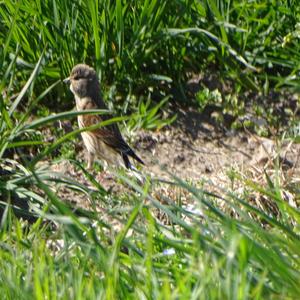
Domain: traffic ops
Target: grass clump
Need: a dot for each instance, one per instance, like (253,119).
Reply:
(142,243)
(154,47)
(130,252)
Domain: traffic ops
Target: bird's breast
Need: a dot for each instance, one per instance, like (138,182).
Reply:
(84,103)
(88,120)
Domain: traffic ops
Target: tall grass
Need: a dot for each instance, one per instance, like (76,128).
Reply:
(126,250)
(142,45)
(205,255)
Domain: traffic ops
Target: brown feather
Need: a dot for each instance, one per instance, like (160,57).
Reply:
(85,87)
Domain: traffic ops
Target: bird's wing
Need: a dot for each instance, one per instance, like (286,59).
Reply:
(110,134)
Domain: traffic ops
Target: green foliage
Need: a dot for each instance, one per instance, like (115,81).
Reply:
(148,117)
(139,48)
(125,251)
(205,96)
(206,255)
(151,45)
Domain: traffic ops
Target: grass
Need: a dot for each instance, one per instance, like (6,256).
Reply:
(143,48)
(130,253)
(142,244)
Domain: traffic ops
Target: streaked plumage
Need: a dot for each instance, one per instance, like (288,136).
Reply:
(106,142)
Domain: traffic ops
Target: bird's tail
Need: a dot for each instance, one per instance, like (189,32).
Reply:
(137,174)
(131,153)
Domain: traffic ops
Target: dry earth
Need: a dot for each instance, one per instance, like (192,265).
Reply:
(196,150)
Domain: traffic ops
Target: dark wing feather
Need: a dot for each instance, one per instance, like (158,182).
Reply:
(112,137)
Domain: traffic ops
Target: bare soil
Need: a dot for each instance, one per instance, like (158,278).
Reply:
(197,150)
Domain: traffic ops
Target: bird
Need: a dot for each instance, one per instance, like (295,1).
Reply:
(105,142)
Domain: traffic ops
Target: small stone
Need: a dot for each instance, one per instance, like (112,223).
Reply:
(179,159)
(208,169)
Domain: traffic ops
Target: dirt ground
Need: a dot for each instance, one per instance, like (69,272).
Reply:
(194,149)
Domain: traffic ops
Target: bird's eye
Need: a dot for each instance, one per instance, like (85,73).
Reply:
(76,77)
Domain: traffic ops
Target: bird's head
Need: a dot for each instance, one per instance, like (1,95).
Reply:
(83,81)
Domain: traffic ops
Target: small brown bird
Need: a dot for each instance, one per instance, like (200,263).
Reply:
(106,142)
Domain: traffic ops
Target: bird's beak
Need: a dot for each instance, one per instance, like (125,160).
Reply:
(67,80)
